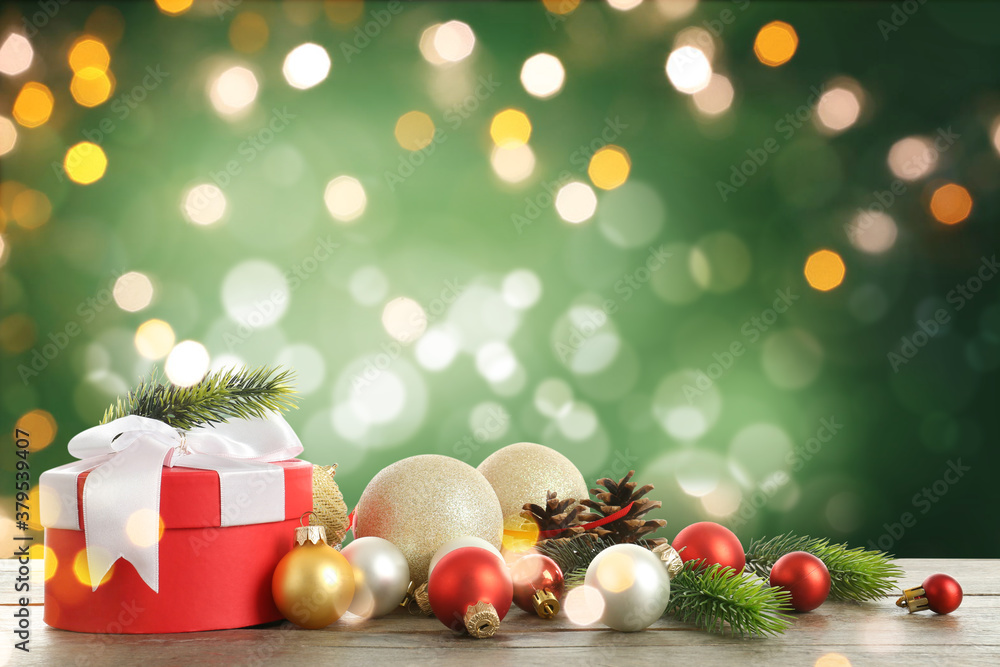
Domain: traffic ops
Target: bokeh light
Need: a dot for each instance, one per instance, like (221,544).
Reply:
(951,204)
(404,319)
(624,5)
(85,163)
(154,339)
(89,52)
(33,104)
(495,361)
(791,359)
(428,49)
(255,293)
(584,605)
(306,66)
(81,568)
(174,7)
(689,69)
(91,86)
(368,285)
(561,7)
(30,209)
(776,43)
(414,130)
(716,97)
(832,660)
(248,32)
(8,135)
(133,291)
(233,91)
(609,167)
(912,158)
(521,288)
(204,204)
(698,37)
(510,127)
(144,527)
(576,202)
(454,41)
(673,10)
(41,427)
(824,270)
(345,198)
(437,348)
(542,75)
(838,109)
(16,54)
(187,363)
(513,163)
(872,232)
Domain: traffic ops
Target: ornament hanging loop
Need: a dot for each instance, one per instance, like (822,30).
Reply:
(308,533)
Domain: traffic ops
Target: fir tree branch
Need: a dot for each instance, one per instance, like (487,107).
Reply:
(856,574)
(228,394)
(718,600)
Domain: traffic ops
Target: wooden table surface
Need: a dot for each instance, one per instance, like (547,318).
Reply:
(835,634)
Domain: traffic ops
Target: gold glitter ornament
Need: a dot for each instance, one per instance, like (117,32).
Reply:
(422,502)
(329,509)
(526,473)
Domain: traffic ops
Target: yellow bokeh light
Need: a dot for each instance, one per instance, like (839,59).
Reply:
(106,23)
(154,339)
(39,551)
(616,572)
(414,130)
(510,127)
(776,43)
(91,86)
(144,528)
(82,571)
(174,7)
(248,33)
(343,12)
(30,209)
(609,167)
(951,204)
(89,52)
(561,7)
(832,660)
(41,428)
(519,534)
(85,163)
(824,270)
(17,333)
(35,520)
(33,105)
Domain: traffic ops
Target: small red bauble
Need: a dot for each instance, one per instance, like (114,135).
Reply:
(711,543)
(804,576)
(470,590)
(943,593)
(538,584)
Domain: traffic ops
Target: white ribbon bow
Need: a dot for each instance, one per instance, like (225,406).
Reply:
(121,495)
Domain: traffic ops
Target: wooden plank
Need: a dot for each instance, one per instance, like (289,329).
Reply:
(872,633)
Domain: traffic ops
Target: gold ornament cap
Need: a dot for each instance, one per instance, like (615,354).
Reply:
(546,604)
(481,620)
(914,599)
(421,597)
(313,534)
(671,559)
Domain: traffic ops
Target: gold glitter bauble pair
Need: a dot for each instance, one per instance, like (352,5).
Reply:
(526,472)
(422,502)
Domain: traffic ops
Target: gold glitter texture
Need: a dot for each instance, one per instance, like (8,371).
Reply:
(525,472)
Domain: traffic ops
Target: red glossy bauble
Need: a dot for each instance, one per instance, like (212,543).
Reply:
(532,573)
(711,543)
(805,577)
(943,593)
(464,577)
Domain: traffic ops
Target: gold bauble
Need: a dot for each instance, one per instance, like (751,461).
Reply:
(313,584)
(526,472)
(422,502)
(329,509)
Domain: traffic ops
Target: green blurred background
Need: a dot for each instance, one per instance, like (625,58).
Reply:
(518,325)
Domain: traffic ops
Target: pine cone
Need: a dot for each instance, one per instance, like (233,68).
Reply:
(632,527)
(556,515)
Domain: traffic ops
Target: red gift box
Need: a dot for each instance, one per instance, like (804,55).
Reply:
(210,578)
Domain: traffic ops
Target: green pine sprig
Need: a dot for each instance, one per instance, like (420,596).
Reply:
(719,600)
(227,394)
(856,574)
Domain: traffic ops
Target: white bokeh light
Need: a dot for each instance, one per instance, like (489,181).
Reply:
(513,162)
(495,361)
(872,232)
(204,204)
(233,91)
(454,41)
(428,48)
(310,368)
(404,319)
(8,135)
(912,158)
(133,291)
(255,293)
(306,66)
(187,363)
(838,109)
(553,398)
(345,198)
(543,75)
(716,97)
(15,54)
(437,348)
(368,285)
(624,5)
(521,288)
(576,202)
(689,69)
